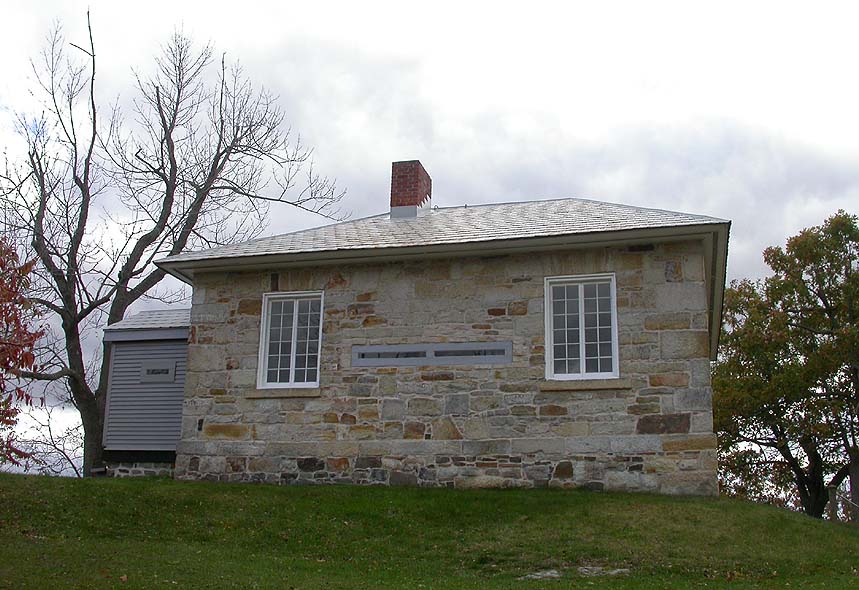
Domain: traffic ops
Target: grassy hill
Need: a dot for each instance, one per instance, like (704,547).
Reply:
(63,533)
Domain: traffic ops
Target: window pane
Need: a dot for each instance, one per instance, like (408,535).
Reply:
(300,376)
(603,289)
(605,365)
(605,349)
(591,350)
(590,290)
(590,320)
(591,335)
(590,305)
(605,319)
(575,366)
(605,334)
(565,327)
(278,364)
(311,375)
(592,365)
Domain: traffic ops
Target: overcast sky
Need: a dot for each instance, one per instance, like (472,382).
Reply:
(747,111)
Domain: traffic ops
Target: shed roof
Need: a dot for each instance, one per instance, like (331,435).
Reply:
(153,320)
(159,324)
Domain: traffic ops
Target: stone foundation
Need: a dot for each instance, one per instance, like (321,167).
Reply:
(460,426)
(136,469)
(669,473)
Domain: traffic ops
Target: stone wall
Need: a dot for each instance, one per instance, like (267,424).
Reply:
(463,426)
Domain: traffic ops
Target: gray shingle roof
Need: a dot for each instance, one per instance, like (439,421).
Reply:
(153,320)
(453,225)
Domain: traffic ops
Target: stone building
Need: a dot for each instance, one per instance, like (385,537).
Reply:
(549,343)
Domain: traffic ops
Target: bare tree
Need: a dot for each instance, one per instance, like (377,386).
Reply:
(98,197)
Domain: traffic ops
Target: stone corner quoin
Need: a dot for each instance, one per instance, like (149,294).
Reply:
(458,426)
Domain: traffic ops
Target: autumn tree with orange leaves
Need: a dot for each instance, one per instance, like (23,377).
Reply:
(17,341)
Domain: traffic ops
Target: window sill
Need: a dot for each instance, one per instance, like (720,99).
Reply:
(276,393)
(585,385)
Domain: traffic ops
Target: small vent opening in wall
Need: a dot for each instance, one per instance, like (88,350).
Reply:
(472,352)
(405,354)
(460,353)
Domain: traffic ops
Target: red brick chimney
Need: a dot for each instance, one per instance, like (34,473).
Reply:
(411,188)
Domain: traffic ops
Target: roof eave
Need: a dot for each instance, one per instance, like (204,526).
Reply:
(138,334)
(719,275)
(184,270)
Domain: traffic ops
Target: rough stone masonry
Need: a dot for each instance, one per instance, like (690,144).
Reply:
(462,426)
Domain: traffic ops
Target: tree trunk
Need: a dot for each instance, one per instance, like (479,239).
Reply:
(90,402)
(854,484)
(810,483)
(93,449)
(813,495)
(817,500)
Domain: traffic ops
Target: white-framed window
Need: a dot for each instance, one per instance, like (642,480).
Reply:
(581,327)
(290,340)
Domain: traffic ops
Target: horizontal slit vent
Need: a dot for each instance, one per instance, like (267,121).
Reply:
(472,352)
(460,353)
(408,354)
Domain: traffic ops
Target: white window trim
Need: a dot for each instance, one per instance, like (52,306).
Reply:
(267,298)
(549,335)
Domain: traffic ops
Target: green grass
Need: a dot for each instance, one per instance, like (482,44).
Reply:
(145,533)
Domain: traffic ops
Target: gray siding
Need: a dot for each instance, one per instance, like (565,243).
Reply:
(144,416)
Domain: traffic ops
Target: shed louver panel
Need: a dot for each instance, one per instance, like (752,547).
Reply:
(144,415)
